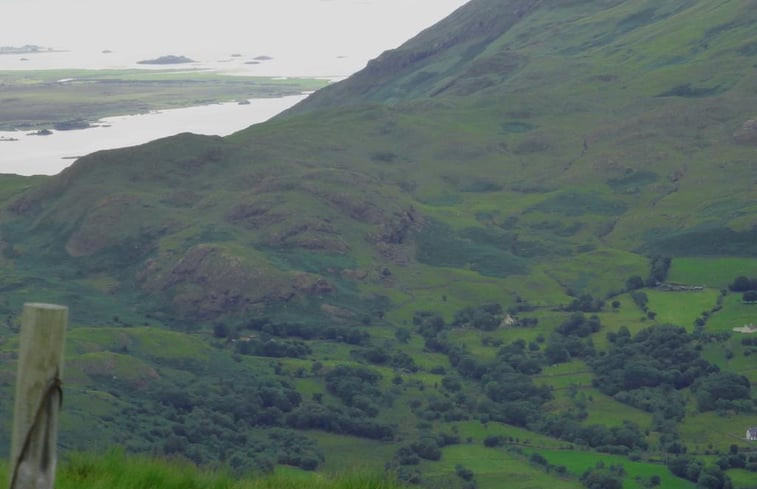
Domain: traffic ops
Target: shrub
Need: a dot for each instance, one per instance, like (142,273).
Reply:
(750,296)
(494,441)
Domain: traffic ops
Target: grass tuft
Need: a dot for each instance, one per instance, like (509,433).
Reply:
(116,470)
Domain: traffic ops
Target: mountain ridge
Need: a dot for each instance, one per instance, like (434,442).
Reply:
(594,147)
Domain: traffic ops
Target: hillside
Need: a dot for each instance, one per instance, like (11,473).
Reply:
(492,204)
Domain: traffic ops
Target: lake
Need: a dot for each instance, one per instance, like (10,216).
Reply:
(308,38)
(48,155)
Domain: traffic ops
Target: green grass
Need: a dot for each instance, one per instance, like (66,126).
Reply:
(357,454)
(742,479)
(735,314)
(711,272)
(115,470)
(606,411)
(577,462)
(491,467)
(730,355)
(701,430)
(680,308)
(479,431)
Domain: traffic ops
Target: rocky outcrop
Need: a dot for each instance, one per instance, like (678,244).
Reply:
(208,281)
(747,134)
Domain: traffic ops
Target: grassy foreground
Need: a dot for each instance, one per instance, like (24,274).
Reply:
(115,470)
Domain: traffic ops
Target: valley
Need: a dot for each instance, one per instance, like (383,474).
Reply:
(516,248)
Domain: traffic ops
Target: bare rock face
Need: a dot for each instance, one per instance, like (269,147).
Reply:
(748,133)
(337,312)
(391,237)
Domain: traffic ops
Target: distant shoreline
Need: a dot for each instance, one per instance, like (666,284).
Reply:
(73,99)
(27,49)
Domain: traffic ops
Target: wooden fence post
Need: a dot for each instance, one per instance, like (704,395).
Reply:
(38,396)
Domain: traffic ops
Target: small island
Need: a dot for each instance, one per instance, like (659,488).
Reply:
(25,49)
(72,125)
(41,132)
(65,100)
(166,60)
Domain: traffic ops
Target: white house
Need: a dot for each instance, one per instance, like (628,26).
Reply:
(751,433)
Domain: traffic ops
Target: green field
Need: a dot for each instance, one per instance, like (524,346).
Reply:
(742,479)
(681,308)
(711,272)
(577,462)
(735,314)
(494,467)
(118,471)
(705,429)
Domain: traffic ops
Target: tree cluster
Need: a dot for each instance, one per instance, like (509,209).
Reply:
(743,283)
(315,416)
(648,371)
(706,477)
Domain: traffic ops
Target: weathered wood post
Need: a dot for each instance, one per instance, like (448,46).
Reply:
(38,396)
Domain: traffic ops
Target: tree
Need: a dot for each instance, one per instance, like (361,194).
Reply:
(721,390)
(634,282)
(221,330)
(750,296)
(687,468)
(659,266)
(586,303)
(463,472)
(601,479)
(640,299)
(712,477)
(427,448)
(403,335)
(742,284)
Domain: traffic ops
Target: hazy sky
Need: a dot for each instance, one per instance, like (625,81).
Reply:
(205,29)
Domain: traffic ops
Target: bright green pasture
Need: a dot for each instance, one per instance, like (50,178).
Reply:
(603,409)
(577,462)
(734,314)
(680,308)
(479,431)
(730,355)
(711,272)
(742,479)
(495,469)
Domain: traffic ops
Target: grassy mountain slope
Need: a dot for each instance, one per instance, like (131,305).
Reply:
(524,153)
(616,131)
